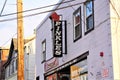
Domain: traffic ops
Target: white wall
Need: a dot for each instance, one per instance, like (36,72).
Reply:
(29,57)
(98,40)
(9,75)
(43,33)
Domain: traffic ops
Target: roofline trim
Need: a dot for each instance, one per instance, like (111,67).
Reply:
(43,21)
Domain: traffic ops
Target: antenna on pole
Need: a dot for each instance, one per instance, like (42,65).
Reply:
(20,74)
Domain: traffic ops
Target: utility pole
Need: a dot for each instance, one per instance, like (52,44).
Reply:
(20,74)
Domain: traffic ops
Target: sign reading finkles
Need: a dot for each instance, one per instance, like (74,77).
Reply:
(57,38)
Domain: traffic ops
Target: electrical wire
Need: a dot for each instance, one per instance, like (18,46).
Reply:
(30,15)
(37,8)
(41,12)
(3,7)
(35,13)
(9,40)
(46,12)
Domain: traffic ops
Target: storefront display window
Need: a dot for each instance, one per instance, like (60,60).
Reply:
(76,69)
(52,77)
(79,71)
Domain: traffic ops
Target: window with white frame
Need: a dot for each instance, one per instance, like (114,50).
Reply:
(43,50)
(89,15)
(77,24)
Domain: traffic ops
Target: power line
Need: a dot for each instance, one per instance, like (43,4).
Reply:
(4,20)
(37,8)
(8,40)
(3,7)
(38,14)
(43,11)
(29,15)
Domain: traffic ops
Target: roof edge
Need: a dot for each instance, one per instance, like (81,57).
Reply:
(43,21)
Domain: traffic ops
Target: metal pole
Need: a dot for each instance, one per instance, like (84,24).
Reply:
(20,74)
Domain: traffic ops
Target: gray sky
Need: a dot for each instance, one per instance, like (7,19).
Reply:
(8,29)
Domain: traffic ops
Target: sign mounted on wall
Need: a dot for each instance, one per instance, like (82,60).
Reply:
(57,39)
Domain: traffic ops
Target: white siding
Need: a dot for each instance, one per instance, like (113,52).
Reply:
(29,58)
(96,41)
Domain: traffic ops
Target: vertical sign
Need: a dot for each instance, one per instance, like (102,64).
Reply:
(57,39)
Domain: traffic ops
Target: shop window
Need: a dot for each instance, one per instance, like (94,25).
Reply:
(79,71)
(52,77)
(89,16)
(77,24)
(43,50)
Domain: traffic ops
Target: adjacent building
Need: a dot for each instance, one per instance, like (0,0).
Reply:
(3,58)
(79,40)
(29,59)
(10,67)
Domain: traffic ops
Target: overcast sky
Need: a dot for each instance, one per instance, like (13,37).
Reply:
(8,29)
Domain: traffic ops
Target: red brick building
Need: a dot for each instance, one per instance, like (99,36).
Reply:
(3,58)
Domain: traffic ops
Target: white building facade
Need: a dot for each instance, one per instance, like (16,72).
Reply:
(90,41)
(11,65)
(29,59)
(11,69)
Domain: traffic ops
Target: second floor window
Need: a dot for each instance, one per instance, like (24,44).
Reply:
(89,15)
(43,50)
(77,24)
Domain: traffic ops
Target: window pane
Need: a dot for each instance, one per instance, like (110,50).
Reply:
(77,18)
(77,31)
(77,23)
(79,71)
(43,46)
(89,8)
(90,22)
(44,50)
(89,15)
(44,56)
